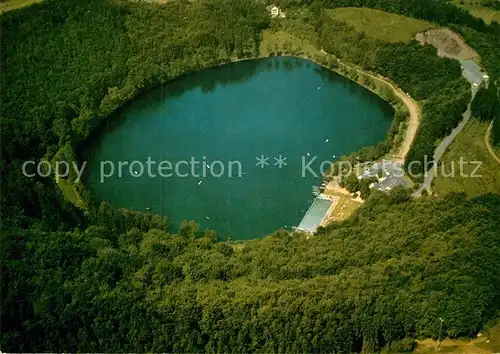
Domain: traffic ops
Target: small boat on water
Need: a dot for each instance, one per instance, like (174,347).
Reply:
(200,182)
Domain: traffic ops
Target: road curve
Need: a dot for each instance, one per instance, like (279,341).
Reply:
(446,142)
(488,143)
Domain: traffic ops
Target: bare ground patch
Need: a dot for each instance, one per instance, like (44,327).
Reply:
(448,43)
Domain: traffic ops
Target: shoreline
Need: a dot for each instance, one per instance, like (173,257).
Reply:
(411,104)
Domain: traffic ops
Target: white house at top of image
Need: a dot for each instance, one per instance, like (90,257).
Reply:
(275,11)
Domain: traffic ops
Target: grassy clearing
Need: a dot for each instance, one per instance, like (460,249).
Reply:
(470,146)
(461,346)
(70,193)
(485,13)
(281,41)
(345,207)
(488,342)
(15,4)
(381,25)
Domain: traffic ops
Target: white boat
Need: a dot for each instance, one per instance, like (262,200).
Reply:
(200,182)
(327,140)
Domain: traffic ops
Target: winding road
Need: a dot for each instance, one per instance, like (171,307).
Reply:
(475,81)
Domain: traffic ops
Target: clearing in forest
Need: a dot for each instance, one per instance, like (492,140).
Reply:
(15,4)
(487,342)
(487,14)
(381,25)
(469,146)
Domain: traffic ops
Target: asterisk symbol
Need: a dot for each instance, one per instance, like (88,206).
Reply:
(262,161)
(280,161)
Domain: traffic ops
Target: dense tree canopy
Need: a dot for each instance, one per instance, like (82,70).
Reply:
(417,70)
(486,107)
(126,284)
(486,103)
(107,280)
(72,63)
(496,131)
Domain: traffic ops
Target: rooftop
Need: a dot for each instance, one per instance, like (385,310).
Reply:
(390,174)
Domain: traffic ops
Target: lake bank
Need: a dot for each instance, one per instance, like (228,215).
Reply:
(272,107)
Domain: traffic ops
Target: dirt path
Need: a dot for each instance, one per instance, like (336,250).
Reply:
(493,15)
(413,109)
(413,122)
(488,144)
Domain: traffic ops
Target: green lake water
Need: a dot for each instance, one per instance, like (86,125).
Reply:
(225,118)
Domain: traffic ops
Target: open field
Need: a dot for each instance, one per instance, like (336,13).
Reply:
(381,25)
(15,4)
(344,208)
(488,342)
(70,192)
(485,13)
(470,146)
(494,151)
(346,205)
(457,346)
(281,41)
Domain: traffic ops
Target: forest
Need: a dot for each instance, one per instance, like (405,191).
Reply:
(124,283)
(436,82)
(438,11)
(108,280)
(486,107)
(417,70)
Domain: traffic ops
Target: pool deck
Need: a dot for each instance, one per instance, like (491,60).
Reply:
(317,213)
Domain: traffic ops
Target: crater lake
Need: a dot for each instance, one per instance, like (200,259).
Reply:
(237,148)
